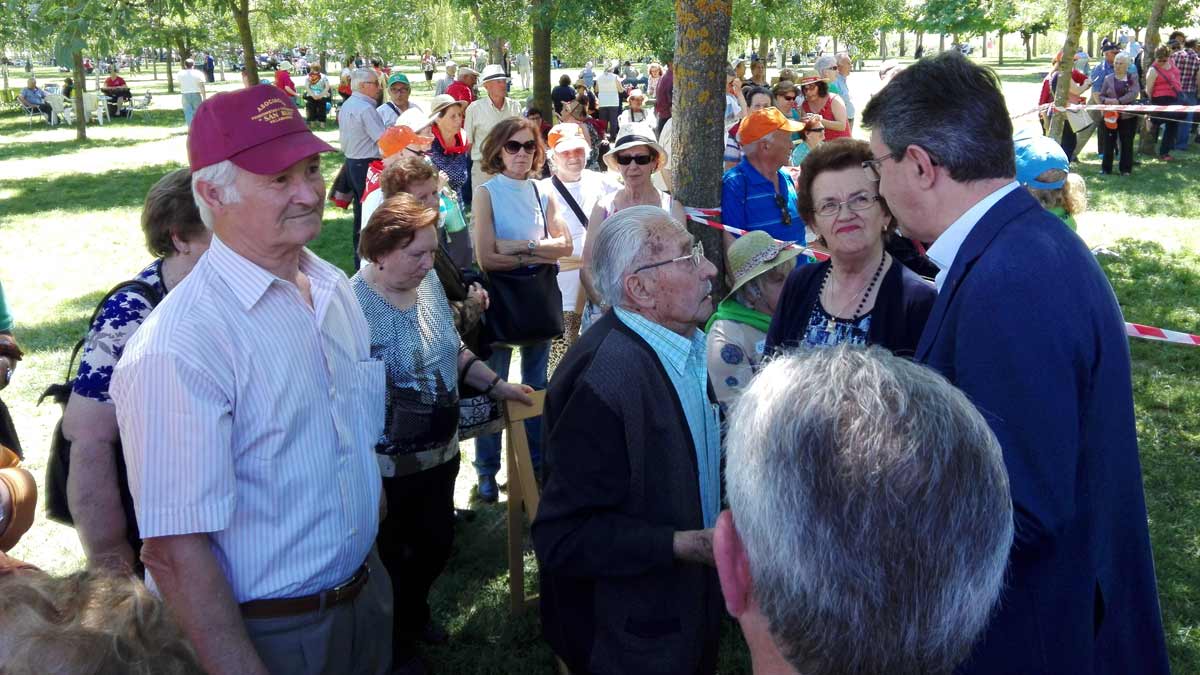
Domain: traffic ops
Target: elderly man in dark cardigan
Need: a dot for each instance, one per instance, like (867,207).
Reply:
(632,460)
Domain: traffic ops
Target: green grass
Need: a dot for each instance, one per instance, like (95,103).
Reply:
(69,230)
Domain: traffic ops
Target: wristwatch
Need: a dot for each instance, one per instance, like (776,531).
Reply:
(532,245)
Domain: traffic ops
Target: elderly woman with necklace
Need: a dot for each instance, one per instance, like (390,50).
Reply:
(412,332)
(861,295)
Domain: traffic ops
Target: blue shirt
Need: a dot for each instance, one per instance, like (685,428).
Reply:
(686,365)
(1099,73)
(748,202)
(34,96)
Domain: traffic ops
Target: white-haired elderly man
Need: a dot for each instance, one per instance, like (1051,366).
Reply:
(359,129)
(864,535)
(632,464)
(249,408)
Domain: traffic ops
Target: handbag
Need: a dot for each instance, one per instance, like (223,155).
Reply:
(526,304)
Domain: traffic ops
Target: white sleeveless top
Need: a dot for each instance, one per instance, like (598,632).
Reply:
(516,213)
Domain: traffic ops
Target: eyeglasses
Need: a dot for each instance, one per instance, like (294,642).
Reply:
(859,202)
(871,166)
(417,151)
(785,217)
(815,130)
(789,98)
(641,160)
(513,147)
(695,256)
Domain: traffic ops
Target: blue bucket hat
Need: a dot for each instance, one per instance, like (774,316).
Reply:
(1037,154)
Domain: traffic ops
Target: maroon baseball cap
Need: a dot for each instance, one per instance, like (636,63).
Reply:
(259,129)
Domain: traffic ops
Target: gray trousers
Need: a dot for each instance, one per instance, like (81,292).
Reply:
(354,637)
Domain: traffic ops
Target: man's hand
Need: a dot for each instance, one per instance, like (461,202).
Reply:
(694,546)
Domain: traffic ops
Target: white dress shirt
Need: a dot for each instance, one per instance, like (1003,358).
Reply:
(251,416)
(945,249)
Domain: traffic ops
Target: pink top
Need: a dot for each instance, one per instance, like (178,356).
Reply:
(1167,83)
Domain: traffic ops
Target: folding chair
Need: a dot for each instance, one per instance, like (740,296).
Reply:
(96,106)
(30,112)
(142,103)
(522,492)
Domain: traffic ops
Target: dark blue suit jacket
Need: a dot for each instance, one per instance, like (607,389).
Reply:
(1027,326)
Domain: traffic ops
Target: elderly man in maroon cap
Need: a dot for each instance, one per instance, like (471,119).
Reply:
(249,407)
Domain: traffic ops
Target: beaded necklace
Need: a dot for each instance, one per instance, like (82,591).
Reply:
(865,292)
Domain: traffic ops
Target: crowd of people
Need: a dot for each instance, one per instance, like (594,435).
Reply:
(917,455)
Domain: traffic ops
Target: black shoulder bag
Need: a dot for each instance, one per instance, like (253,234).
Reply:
(58,465)
(525,304)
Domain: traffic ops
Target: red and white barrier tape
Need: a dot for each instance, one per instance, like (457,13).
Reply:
(707,216)
(1113,108)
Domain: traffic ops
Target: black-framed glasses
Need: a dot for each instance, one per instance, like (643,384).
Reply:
(871,166)
(696,256)
(513,147)
(640,160)
(789,98)
(785,216)
(859,202)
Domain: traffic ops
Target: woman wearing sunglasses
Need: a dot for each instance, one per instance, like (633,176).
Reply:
(861,295)
(818,100)
(517,230)
(635,155)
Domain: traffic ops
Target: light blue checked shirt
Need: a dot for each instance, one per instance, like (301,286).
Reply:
(686,365)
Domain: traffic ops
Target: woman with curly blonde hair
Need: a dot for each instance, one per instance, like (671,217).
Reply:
(1043,168)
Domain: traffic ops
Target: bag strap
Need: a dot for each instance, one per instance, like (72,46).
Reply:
(538,195)
(566,195)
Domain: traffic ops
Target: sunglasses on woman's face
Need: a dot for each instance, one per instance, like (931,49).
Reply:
(513,147)
(789,98)
(642,160)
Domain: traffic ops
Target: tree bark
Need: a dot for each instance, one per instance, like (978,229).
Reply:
(984,46)
(170,75)
(902,48)
(882,44)
(543,19)
(941,42)
(1146,144)
(698,115)
(1000,48)
(1070,46)
(764,44)
(1035,51)
(1091,50)
(77,98)
(241,16)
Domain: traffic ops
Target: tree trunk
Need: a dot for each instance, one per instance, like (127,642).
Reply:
(154,65)
(1070,46)
(4,69)
(701,42)
(1028,52)
(835,45)
(941,42)
(1091,50)
(984,46)
(77,98)
(882,44)
(543,19)
(241,16)
(764,43)
(902,49)
(170,75)
(1146,144)
(1035,51)
(1000,48)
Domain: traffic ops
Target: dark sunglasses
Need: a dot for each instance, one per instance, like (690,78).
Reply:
(785,218)
(513,147)
(789,98)
(642,160)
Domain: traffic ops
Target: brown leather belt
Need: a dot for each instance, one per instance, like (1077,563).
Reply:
(275,608)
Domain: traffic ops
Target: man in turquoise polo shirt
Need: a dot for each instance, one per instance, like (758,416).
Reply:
(757,194)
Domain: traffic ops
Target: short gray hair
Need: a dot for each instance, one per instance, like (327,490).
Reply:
(873,503)
(1122,56)
(221,176)
(825,62)
(361,75)
(620,245)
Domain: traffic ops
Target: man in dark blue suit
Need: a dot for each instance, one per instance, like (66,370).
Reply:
(1027,326)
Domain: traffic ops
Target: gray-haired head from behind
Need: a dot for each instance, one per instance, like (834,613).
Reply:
(873,504)
(620,243)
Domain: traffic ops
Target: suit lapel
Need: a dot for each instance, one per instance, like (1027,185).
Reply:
(1009,208)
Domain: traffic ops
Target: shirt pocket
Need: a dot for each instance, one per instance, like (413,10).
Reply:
(370,384)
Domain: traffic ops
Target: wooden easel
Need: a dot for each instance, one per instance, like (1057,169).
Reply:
(522,492)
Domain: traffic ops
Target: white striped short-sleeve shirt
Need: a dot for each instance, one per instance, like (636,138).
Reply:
(251,416)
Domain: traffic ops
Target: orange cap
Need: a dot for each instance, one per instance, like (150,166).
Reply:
(760,123)
(567,134)
(397,138)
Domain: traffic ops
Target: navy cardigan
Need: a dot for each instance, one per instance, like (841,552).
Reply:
(901,307)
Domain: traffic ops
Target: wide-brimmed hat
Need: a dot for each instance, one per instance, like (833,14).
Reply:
(762,123)
(443,101)
(259,129)
(632,135)
(566,136)
(753,254)
(811,77)
(23,492)
(492,72)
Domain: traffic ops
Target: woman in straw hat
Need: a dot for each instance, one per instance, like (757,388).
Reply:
(450,151)
(861,295)
(737,331)
(818,100)
(635,155)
